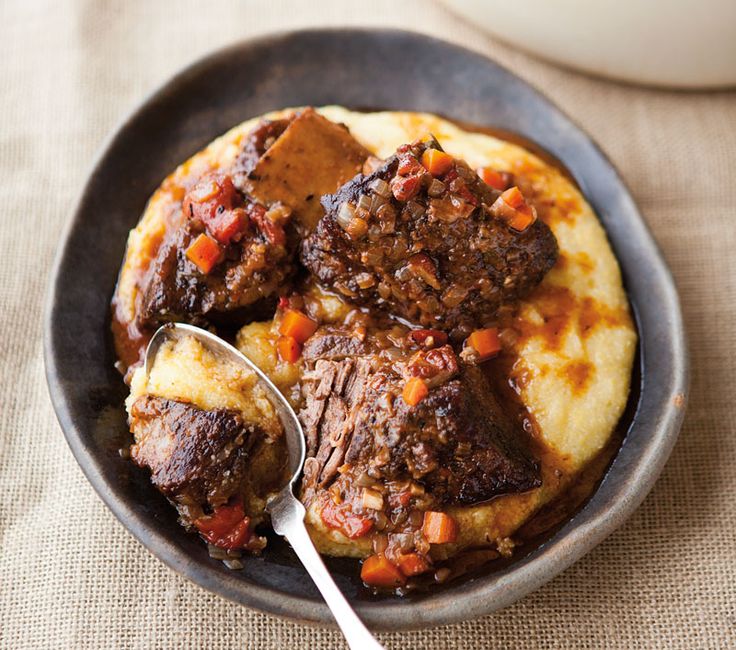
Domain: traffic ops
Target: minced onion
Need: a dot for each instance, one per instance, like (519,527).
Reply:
(345,215)
(381,187)
(436,187)
(364,202)
(415,210)
(372,499)
(233,564)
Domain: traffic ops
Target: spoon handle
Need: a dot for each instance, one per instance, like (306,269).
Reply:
(287,519)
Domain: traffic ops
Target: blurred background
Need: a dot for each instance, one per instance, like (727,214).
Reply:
(72,577)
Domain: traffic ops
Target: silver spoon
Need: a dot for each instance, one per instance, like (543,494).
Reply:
(287,512)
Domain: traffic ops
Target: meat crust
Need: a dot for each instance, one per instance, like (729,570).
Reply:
(197,457)
(458,442)
(254,268)
(428,250)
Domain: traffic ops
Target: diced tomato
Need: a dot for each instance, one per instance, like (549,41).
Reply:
(436,162)
(412,564)
(228,225)
(283,302)
(212,194)
(272,231)
(401,499)
(297,325)
(216,202)
(405,188)
(485,342)
(204,252)
(439,528)
(238,537)
(378,571)
(415,390)
(341,517)
(227,527)
(289,349)
(495,179)
(438,337)
(408,165)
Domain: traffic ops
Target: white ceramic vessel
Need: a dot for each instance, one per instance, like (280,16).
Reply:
(672,43)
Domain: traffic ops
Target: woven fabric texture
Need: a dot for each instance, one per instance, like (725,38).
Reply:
(70,574)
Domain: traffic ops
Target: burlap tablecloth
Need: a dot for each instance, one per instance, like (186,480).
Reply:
(72,577)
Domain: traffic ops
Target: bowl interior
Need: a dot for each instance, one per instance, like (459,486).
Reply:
(324,67)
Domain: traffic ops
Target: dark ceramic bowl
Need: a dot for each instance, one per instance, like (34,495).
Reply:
(355,68)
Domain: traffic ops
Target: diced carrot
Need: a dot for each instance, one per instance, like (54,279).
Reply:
(378,571)
(436,162)
(415,390)
(485,342)
(513,197)
(523,218)
(514,210)
(297,325)
(412,564)
(493,178)
(204,252)
(289,349)
(439,528)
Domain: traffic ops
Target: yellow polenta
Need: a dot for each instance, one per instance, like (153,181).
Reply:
(575,339)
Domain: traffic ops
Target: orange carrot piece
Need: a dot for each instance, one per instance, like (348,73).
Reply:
(436,162)
(439,528)
(485,342)
(513,197)
(412,564)
(297,325)
(522,219)
(289,349)
(204,252)
(415,390)
(377,571)
(493,178)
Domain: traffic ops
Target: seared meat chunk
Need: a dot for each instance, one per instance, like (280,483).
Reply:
(196,457)
(457,442)
(300,160)
(439,248)
(229,254)
(215,468)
